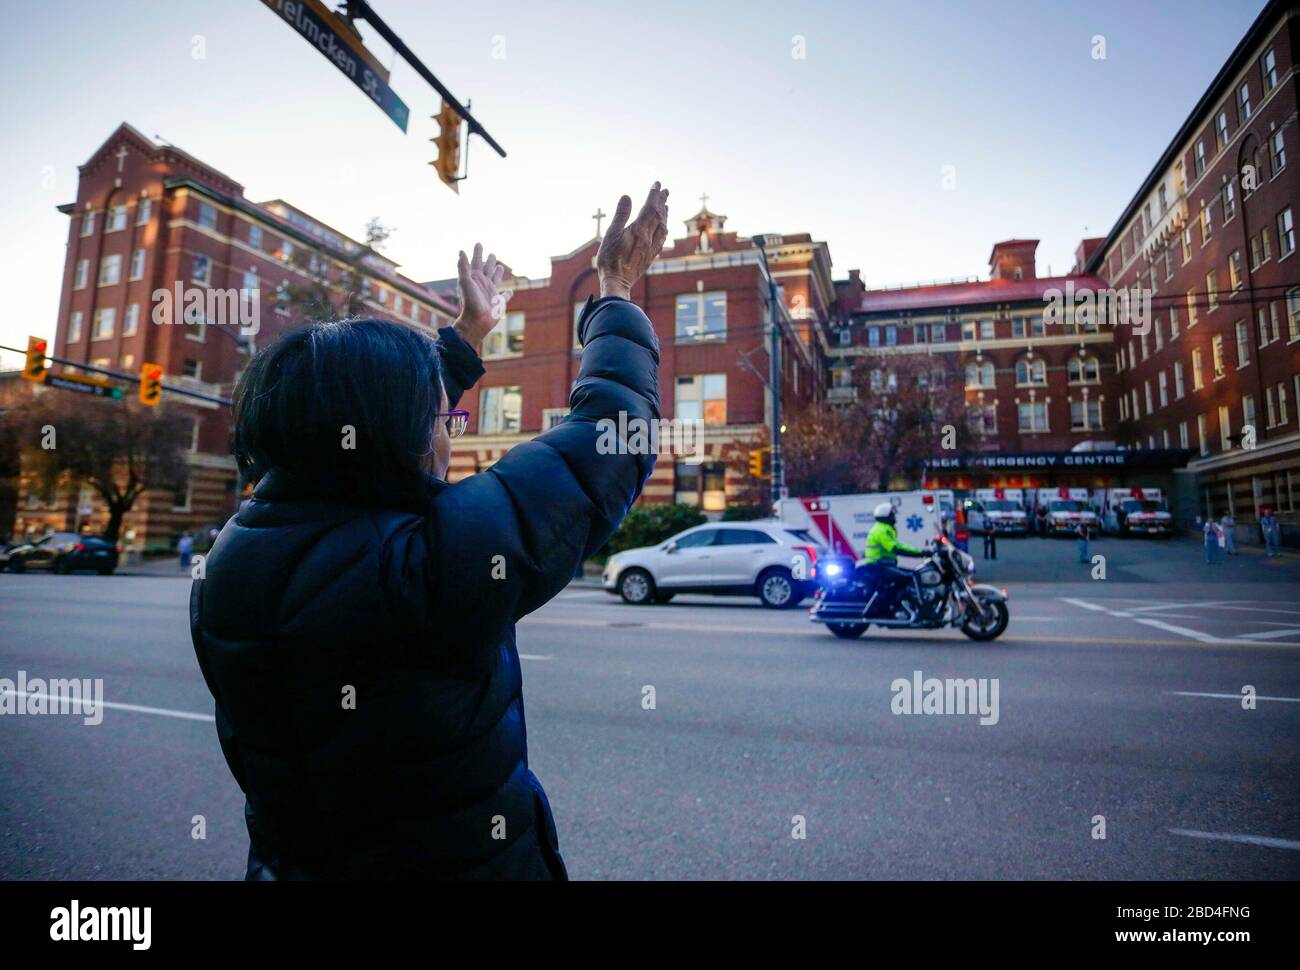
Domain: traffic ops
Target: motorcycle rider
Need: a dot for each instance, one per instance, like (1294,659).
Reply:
(883,549)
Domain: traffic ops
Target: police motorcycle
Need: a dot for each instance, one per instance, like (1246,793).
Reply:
(941,592)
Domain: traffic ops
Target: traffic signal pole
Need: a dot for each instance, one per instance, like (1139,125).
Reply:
(130,378)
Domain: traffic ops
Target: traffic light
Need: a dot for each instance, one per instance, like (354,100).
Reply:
(756,462)
(151,384)
(447,163)
(34,370)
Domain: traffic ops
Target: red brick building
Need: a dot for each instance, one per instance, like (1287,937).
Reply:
(1212,233)
(149,218)
(708,299)
(1034,387)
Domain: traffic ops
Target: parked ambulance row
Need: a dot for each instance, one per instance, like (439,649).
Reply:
(1059,510)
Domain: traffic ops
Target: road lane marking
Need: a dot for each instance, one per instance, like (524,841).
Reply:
(117,706)
(1244,839)
(1271,634)
(536,656)
(926,635)
(1232,697)
(1197,635)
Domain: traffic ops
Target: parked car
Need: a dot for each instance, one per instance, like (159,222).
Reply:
(63,552)
(767,559)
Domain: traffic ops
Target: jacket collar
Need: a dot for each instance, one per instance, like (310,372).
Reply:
(277,485)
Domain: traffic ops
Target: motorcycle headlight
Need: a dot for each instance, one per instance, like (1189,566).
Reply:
(834,569)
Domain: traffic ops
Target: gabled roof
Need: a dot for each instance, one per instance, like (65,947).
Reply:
(984,293)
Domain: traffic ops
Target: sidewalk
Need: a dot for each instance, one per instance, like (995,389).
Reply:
(169,566)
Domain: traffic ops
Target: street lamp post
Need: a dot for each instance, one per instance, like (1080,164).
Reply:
(774,366)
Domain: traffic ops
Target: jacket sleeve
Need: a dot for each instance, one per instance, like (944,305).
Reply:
(461,366)
(503,542)
(895,548)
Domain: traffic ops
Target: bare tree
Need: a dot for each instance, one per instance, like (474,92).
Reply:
(119,449)
(325,298)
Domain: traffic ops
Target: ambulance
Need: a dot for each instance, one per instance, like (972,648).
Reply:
(1133,511)
(1000,510)
(841,522)
(1066,508)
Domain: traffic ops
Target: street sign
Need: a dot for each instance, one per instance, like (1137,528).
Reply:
(337,40)
(83,385)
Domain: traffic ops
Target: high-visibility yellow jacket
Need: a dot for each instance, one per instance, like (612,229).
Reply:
(883,545)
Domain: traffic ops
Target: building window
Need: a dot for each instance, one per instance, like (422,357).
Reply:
(1225,428)
(1243,344)
(979,374)
(506,338)
(984,419)
(938,333)
(101,324)
(1084,370)
(1278,146)
(144,211)
(1173,322)
(1248,411)
(192,368)
(285,251)
(1229,202)
(702,397)
(115,219)
(74,327)
(110,270)
(1285,234)
(1198,381)
(207,216)
(1033,415)
(137,264)
(255,236)
(891,336)
(126,362)
(1293,313)
(1207,224)
(553,416)
(1179,387)
(702,316)
(87,224)
(1031,371)
(196,326)
(1270,70)
(1027,326)
(1243,102)
(131,320)
(1199,159)
(1234,270)
(250,284)
(1211,291)
(1191,307)
(1202,435)
(1162,382)
(873,336)
(986,330)
(201,270)
(1085,415)
(1221,128)
(499,410)
(846,337)
(703,485)
(1182,434)
(1216,352)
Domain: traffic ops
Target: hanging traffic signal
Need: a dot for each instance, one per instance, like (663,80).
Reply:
(34,369)
(447,163)
(151,384)
(756,462)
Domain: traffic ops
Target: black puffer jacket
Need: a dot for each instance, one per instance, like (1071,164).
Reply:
(309,601)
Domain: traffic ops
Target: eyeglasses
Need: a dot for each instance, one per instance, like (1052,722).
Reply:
(457,421)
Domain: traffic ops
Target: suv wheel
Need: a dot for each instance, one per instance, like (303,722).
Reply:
(636,587)
(777,589)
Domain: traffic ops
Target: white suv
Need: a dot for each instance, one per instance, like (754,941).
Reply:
(766,559)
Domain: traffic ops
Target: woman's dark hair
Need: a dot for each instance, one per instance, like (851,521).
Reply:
(343,409)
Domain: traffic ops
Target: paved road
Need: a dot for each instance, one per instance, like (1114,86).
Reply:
(1115,699)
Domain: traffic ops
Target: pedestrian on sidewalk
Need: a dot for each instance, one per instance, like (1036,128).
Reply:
(380,600)
(1228,525)
(186,548)
(1213,540)
(1272,530)
(1083,533)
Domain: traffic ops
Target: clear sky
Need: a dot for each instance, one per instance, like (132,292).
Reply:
(849,142)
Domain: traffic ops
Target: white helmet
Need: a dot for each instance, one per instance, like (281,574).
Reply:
(884,510)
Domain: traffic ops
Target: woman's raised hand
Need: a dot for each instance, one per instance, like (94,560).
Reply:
(627,251)
(482,303)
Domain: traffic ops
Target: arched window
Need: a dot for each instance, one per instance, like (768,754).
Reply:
(1084,370)
(1031,370)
